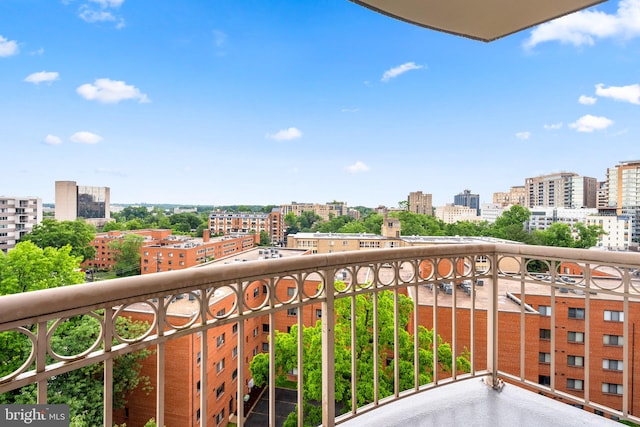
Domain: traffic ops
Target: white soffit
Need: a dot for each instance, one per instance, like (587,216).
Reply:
(485,20)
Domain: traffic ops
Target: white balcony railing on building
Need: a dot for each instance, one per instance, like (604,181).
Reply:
(503,270)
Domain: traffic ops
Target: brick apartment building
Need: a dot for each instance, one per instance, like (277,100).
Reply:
(183,358)
(162,251)
(568,332)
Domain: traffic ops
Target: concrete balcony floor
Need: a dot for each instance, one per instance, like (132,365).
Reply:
(472,403)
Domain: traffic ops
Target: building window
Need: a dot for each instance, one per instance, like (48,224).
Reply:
(544,310)
(318,313)
(198,415)
(614,316)
(220,391)
(265,327)
(577,337)
(612,365)
(234,374)
(198,386)
(544,357)
(574,384)
(575,360)
(221,312)
(544,380)
(234,329)
(612,388)
(220,340)
(545,334)
(255,351)
(220,366)
(612,340)
(291,291)
(256,292)
(292,312)
(576,313)
(234,352)
(198,357)
(220,417)
(255,332)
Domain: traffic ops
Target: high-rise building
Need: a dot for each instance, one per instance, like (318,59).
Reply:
(561,190)
(80,201)
(420,203)
(467,199)
(515,196)
(18,215)
(623,182)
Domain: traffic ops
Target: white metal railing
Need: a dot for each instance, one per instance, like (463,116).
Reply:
(401,271)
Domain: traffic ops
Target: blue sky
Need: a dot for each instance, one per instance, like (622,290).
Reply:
(267,102)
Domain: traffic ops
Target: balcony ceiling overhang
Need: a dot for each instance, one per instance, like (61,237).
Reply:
(485,20)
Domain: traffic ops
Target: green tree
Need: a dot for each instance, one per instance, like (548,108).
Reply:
(285,348)
(56,234)
(333,225)
(113,225)
(557,234)
(510,225)
(28,268)
(265,240)
(373,223)
(587,235)
(291,221)
(413,224)
(81,389)
(126,252)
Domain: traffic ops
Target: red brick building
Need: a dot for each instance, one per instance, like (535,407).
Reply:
(162,251)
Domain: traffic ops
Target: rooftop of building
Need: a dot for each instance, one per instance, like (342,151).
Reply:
(185,305)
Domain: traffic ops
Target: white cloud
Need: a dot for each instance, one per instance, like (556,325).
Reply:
(219,37)
(42,76)
(108,3)
(630,93)
(110,91)
(349,110)
(85,137)
(587,100)
(400,69)
(52,140)
(8,47)
(590,123)
(37,52)
(523,135)
(357,167)
(286,134)
(553,126)
(584,27)
(101,12)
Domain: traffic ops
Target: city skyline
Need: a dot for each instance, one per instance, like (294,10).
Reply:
(217,103)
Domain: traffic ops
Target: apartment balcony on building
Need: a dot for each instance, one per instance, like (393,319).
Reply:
(526,335)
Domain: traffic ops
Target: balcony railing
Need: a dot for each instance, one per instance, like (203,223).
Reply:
(495,318)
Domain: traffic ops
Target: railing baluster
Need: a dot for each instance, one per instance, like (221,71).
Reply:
(396,345)
(107,407)
(625,345)
(41,360)
(416,342)
(328,350)
(375,350)
(492,323)
(240,359)
(354,367)
(160,357)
